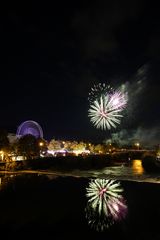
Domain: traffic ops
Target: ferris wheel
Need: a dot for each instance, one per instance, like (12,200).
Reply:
(30,127)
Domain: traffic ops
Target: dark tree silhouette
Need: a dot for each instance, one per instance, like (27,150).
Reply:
(4,141)
(28,146)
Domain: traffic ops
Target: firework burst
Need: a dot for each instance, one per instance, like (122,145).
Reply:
(104,114)
(105,110)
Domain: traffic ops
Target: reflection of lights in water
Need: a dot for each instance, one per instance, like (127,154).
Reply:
(105,203)
(5,180)
(137,167)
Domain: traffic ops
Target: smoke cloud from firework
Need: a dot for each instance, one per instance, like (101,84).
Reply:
(133,127)
(135,89)
(146,137)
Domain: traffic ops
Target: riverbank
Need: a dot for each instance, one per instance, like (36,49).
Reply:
(67,163)
(71,162)
(85,164)
(134,172)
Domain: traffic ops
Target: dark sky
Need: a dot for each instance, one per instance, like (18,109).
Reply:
(52,55)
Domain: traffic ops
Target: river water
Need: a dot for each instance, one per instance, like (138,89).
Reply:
(53,205)
(133,172)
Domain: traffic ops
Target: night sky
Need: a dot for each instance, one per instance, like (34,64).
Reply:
(51,56)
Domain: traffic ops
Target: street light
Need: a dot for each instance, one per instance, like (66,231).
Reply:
(137,145)
(2,155)
(41,144)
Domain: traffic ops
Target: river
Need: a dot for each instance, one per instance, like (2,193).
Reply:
(55,204)
(132,172)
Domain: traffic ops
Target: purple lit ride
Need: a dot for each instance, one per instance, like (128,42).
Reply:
(30,127)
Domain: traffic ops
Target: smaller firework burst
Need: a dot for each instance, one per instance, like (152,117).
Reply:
(98,90)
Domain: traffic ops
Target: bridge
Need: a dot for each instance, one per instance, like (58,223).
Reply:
(129,154)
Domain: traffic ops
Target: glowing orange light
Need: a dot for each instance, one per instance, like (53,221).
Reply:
(41,144)
(137,167)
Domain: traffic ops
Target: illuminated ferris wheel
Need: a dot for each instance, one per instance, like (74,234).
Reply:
(30,127)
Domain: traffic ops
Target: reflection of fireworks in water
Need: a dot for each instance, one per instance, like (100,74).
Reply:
(99,90)
(102,193)
(98,222)
(105,203)
(103,113)
(117,208)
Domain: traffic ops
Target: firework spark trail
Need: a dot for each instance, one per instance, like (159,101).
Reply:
(118,100)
